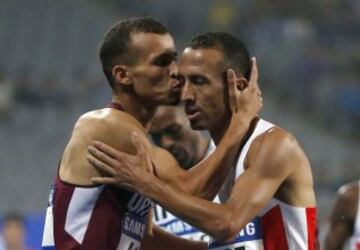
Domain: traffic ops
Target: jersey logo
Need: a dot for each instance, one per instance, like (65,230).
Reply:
(251,232)
(140,205)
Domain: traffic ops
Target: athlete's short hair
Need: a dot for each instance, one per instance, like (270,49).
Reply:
(116,47)
(236,55)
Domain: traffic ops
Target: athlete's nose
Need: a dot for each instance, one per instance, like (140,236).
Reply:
(187,92)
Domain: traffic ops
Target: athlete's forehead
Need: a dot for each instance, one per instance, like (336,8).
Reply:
(150,45)
(199,60)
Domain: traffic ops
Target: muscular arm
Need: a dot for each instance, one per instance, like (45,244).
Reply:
(342,217)
(205,179)
(252,191)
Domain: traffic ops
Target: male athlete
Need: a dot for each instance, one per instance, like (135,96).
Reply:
(170,129)
(270,183)
(345,219)
(138,59)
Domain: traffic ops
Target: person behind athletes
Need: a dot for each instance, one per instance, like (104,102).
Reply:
(138,59)
(271,183)
(344,221)
(170,129)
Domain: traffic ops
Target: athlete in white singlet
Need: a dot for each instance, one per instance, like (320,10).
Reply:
(139,61)
(274,180)
(276,221)
(344,225)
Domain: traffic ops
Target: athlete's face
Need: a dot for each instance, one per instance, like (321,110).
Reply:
(204,90)
(170,129)
(153,73)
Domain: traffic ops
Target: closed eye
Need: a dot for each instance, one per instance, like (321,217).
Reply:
(165,59)
(198,80)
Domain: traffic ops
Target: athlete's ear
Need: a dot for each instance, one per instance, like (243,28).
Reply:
(121,74)
(241,83)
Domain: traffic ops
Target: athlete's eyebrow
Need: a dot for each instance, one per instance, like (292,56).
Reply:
(169,53)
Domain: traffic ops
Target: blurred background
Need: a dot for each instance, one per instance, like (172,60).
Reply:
(309,60)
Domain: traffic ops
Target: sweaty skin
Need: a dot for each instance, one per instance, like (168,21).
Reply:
(275,166)
(116,128)
(342,218)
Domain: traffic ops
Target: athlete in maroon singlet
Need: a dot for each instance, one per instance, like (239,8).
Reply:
(139,61)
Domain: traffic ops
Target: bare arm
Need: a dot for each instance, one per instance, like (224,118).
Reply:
(252,191)
(342,218)
(206,178)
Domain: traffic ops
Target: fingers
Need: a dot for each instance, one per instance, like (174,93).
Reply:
(101,156)
(106,149)
(136,141)
(231,79)
(139,145)
(101,166)
(254,76)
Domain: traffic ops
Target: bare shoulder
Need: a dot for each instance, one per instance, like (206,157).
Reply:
(275,145)
(110,126)
(107,119)
(349,193)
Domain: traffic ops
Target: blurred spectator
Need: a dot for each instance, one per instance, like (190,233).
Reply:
(13,232)
(344,221)
(51,93)
(26,91)
(6,97)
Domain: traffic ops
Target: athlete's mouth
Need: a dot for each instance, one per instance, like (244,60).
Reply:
(192,112)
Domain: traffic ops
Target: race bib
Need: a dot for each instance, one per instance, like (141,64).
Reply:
(132,231)
(184,230)
(249,238)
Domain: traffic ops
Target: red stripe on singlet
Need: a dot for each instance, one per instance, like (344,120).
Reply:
(313,243)
(273,229)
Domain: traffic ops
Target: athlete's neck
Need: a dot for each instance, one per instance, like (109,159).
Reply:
(218,132)
(136,107)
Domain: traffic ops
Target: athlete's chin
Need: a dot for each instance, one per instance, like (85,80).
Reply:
(197,125)
(169,100)
(163,99)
